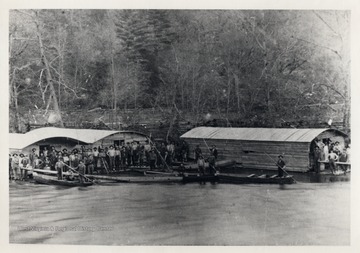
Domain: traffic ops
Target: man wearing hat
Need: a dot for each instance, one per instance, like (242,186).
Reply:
(11,174)
(214,152)
(201,165)
(152,159)
(95,154)
(333,157)
(281,165)
(32,157)
(15,166)
(111,154)
(23,164)
(81,169)
(59,167)
(197,152)
(65,151)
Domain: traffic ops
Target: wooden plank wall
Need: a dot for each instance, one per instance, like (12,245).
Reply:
(255,154)
(126,137)
(59,145)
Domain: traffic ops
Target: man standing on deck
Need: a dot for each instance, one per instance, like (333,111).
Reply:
(212,166)
(81,170)
(201,165)
(343,159)
(161,159)
(76,161)
(134,153)
(39,163)
(52,157)
(214,152)
(59,166)
(24,165)
(326,151)
(184,151)
(11,175)
(317,158)
(147,149)
(96,156)
(32,157)
(15,166)
(128,154)
(117,157)
(90,164)
(111,154)
(123,157)
(45,152)
(281,165)
(152,160)
(333,157)
(197,152)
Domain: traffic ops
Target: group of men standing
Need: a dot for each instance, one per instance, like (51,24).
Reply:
(200,160)
(329,153)
(100,159)
(18,163)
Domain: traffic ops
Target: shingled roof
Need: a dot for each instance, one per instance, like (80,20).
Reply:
(257,134)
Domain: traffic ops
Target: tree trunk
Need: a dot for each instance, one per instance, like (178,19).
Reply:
(346,119)
(17,116)
(228,95)
(115,87)
(48,74)
(237,88)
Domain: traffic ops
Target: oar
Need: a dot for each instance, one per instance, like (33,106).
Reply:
(282,168)
(78,173)
(105,164)
(163,160)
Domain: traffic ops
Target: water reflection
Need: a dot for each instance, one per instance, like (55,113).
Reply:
(177,214)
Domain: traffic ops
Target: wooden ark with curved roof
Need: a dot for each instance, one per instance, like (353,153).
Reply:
(69,138)
(259,148)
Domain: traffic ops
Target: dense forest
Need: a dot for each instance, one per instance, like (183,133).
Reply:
(260,66)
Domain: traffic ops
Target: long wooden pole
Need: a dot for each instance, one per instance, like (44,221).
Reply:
(279,165)
(164,161)
(78,172)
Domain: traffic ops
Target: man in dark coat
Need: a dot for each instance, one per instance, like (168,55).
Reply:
(317,158)
(212,168)
(81,170)
(197,152)
(32,157)
(152,159)
(281,165)
(214,152)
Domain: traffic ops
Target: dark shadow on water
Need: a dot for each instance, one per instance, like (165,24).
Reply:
(82,188)
(282,187)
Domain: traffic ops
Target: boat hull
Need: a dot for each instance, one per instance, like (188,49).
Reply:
(51,180)
(239,179)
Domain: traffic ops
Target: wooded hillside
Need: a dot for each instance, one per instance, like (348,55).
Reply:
(258,67)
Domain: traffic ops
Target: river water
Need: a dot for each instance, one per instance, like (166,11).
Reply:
(177,214)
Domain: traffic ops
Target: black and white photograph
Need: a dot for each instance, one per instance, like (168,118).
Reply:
(179,126)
